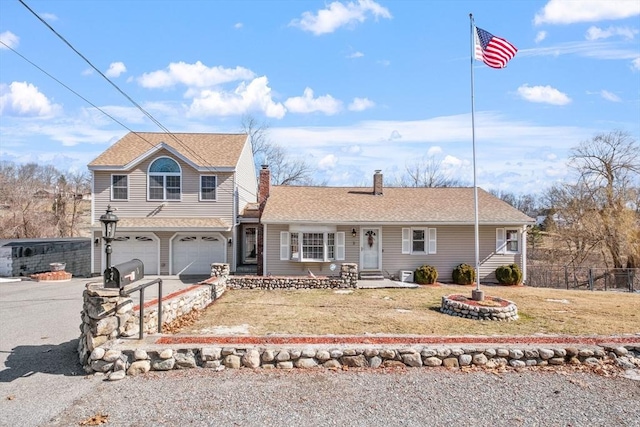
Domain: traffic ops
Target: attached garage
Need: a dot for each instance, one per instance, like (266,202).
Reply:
(193,253)
(143,246)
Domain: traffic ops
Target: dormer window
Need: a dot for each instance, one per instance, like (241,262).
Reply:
(164,179)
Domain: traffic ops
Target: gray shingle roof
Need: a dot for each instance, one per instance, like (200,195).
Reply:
(346,205)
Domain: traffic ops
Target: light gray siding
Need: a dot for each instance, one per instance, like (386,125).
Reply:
(189,205)
(246,178)
(455,245)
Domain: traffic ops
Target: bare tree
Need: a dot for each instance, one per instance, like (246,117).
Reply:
(526,203)
(285,169)
(600,210)
(39,201)
(427,172)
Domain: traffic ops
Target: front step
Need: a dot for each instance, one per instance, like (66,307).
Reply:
(371,275)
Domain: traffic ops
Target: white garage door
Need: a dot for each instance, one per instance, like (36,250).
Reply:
(141,246)
(193,253)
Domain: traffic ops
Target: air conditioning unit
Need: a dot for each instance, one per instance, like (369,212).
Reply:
(406,276)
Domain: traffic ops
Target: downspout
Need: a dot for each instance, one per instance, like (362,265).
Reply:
(524,254)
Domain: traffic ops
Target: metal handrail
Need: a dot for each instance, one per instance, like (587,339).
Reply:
(126,292)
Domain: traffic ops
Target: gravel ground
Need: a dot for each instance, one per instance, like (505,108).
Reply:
(412,397)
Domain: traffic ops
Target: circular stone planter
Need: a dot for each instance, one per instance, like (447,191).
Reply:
(492,308)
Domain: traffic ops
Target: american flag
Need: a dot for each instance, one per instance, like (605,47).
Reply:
(492,50)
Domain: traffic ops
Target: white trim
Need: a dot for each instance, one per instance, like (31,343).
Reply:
(264,248)
(285,238)
(164,180)
(524,255)
(406,240)
(432,237)
(502,242)
(362,243)
(339,246)
(310,228)
(200,199)
(111,198)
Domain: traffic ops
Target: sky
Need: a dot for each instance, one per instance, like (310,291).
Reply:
(348,86)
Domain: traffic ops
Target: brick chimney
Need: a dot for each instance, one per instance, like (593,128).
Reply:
(264,186)
(377,183)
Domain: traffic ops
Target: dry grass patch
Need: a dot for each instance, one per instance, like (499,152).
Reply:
(416,312)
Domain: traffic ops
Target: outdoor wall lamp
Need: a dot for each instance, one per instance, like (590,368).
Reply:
(109,220)
(230,242)
(353,232)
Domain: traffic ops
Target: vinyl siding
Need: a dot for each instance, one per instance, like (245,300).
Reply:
(455,245)
(246,178)
(188,206)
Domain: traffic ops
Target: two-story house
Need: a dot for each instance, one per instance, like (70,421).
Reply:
(179,198)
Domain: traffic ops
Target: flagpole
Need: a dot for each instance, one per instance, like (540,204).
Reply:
(476,294)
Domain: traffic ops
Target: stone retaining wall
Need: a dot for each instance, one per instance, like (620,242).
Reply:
(348,279)
(107,316)
(117,362)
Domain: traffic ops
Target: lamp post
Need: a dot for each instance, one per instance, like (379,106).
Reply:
(109,220)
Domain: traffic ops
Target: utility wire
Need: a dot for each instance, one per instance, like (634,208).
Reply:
(209,166)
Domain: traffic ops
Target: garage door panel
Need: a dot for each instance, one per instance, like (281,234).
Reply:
(142,247)
(193,253)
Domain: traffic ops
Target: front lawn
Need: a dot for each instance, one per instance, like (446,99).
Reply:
(415,312)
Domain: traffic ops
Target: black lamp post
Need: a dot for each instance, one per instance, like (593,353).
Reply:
(109,220)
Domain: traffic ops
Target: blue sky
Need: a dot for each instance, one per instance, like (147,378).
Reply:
(350,86)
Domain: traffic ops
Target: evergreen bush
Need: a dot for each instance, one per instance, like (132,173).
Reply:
(425,275)
(464,274)
(509,274)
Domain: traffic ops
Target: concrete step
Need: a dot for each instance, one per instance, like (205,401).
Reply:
(371,275)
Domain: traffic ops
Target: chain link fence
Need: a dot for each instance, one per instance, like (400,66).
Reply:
(587,278)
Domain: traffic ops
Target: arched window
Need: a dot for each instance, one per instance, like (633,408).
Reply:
(164,179)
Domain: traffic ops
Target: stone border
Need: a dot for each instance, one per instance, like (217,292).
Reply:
(348,278)
(454,307)
(118,359)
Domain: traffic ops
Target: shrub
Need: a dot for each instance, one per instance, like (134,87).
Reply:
(426,275)
(509,274)
(464,274)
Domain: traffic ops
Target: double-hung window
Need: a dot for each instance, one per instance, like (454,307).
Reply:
(208,184)
(419,240)
(312,245)
(164,179)
(119,187)
(507,241)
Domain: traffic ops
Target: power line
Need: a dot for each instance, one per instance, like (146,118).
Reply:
(207,165)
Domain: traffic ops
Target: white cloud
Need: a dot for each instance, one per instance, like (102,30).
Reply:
(193,75)
(116,69)
(570,11)
(9,39)
(24,99)
(49,17)
(354,149)
(87,72)
(338,14)
(588,49)
(361,104)
(355,55)
(238,25)
(635,64)
(541,36)
(306,103)
(543,94)
(328,162)
(595,33)
(255,96)
(610,96)
(384,62)
(395,135)
(434,151)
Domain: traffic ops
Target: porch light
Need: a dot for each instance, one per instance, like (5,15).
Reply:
(353,232)
(109,220)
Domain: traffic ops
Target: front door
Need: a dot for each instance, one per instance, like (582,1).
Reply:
(371,249)
(249,245)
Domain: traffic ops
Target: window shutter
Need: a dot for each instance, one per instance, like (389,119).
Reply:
(284,246)
(340,246)
(432,241)
(500,240)
(406,240)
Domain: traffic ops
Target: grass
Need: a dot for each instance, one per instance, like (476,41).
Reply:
(416,312)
